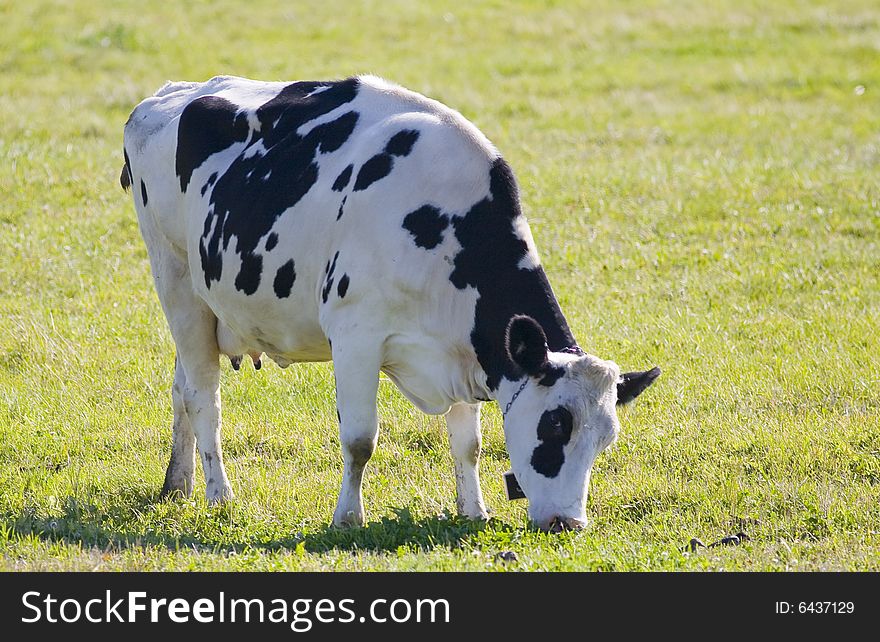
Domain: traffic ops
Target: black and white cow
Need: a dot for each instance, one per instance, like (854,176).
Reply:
(358,221)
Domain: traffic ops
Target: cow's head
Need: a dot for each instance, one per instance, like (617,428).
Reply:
(561,415)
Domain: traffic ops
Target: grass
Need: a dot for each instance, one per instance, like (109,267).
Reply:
(701,181)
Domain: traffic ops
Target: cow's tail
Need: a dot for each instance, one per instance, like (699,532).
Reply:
(125,176)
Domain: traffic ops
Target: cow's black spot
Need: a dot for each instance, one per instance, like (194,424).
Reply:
(378,167)
(144,192)
(211,180)
(208,220)
(256,188)
(342,180)
(342,288)
(333,135)
(248,279)
(341,205)
(426,224)
(328,282)
(489,261)
(212,260)
(554,432)
(402,142)
(271,242)
(284,279)
(208,125)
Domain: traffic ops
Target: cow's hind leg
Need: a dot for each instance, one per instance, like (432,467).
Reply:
(197,394)
(463,426)
(356,366)
(180,475)
(195,336)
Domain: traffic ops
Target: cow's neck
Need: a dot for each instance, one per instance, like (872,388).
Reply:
(529,294)
(497,258)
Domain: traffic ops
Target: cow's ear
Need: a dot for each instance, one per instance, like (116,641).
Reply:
(527,344)
(632,384)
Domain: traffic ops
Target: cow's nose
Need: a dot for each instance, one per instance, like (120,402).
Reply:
(559,524)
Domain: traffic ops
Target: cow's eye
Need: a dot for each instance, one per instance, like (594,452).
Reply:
(555,424)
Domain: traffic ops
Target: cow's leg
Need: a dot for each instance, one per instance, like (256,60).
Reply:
(463,425)
(194,329)
(200,358)
(357,381)
(180,476)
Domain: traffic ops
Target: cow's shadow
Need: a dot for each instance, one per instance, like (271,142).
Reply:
(402,530)
(106,530)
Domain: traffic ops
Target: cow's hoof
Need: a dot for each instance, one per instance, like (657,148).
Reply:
(351,519)
(220,496)
(175,492)
(471,509)
(177,485)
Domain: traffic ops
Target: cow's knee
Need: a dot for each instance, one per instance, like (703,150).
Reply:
(360,450)
(465,441)
(466,448)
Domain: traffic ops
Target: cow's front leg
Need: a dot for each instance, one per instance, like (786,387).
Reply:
(463,426)
(357,382)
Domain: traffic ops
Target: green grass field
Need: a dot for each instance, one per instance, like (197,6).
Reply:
(701,179)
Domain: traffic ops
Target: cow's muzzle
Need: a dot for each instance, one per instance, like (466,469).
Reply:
(559,524)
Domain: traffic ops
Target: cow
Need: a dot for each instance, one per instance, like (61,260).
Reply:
(357,221)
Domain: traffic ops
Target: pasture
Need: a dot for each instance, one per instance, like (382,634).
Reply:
(701,180)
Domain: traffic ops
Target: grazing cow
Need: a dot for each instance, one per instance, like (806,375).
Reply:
(358,221)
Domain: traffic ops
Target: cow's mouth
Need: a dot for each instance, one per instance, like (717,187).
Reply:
(560,524)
